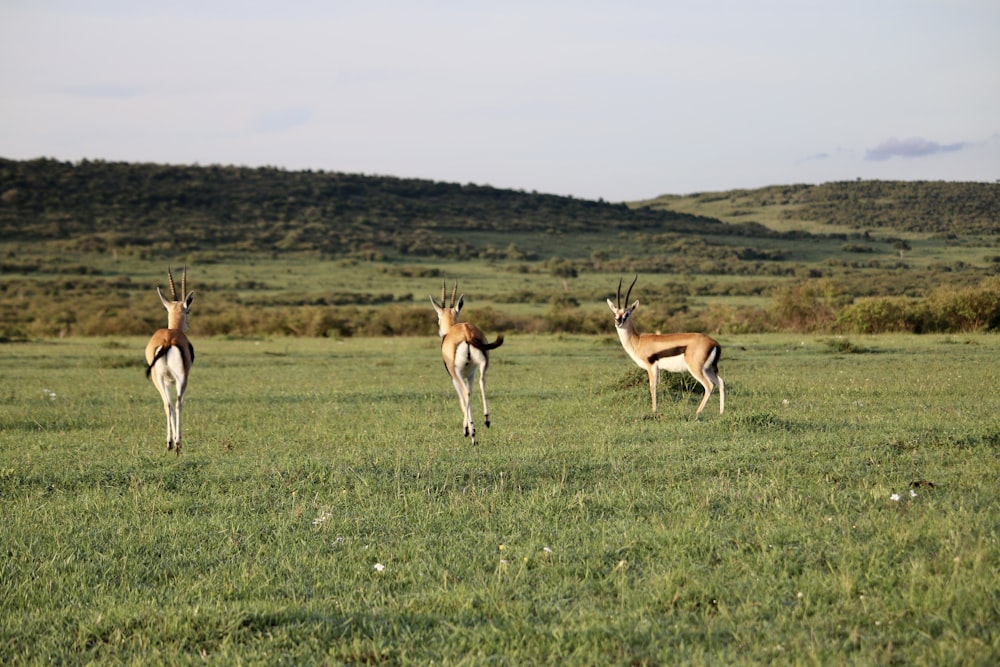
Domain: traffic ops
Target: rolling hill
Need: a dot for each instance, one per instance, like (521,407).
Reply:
(82,244)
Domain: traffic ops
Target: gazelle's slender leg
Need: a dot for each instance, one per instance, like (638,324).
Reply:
(463,398)
(708,393)
(467,379)
(654,380)
(177,421)
(482,391)
(169,410)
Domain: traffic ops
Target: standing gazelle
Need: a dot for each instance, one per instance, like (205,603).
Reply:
(169,356)
(464,348)
(692,352)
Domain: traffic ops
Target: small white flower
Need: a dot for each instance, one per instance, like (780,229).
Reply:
(50,394)
(547,550)
(913,494)
(894,497)
(379,567)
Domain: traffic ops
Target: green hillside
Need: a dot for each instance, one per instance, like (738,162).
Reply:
(901,206)
(105,204)
(82,246)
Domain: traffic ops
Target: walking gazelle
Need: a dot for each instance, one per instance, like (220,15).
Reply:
(464,348)
(694,353)
(169,356)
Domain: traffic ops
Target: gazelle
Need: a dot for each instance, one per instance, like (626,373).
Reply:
(169,356)
(692,352)
(464,348)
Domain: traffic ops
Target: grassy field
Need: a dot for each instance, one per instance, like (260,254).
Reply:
(326,509)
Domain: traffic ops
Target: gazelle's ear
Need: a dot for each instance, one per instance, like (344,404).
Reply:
(163,299)
(189,299)
(634,305)
(612,306)
(460,303)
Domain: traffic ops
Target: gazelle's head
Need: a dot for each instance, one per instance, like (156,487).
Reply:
(448,315)
(622,311)
(177,309)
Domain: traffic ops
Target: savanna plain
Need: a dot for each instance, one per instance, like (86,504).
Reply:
(327,510)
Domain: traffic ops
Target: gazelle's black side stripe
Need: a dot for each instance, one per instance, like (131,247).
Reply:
(669,352)
(156,357)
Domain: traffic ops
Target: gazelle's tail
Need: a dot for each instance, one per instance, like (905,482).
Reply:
(489,346)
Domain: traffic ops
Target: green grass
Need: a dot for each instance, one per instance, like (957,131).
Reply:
(580,531)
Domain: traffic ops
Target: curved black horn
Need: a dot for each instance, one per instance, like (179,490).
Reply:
(629,293)
(173,288)
(184,283)
(454,293)
(618,298)
(444,290)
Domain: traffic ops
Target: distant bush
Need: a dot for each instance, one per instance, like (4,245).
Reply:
(805,306)
(722,319)
(945,310)
(873,315)
(970,309)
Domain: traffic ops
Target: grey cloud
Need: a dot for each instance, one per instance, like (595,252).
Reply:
(910,148)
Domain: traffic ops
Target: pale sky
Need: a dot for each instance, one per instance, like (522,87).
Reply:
(621,100)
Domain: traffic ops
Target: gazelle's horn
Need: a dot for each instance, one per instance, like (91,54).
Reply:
(184,283)
(444,291)
(629,293)
(618,299)
(454,292)
(173,288)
